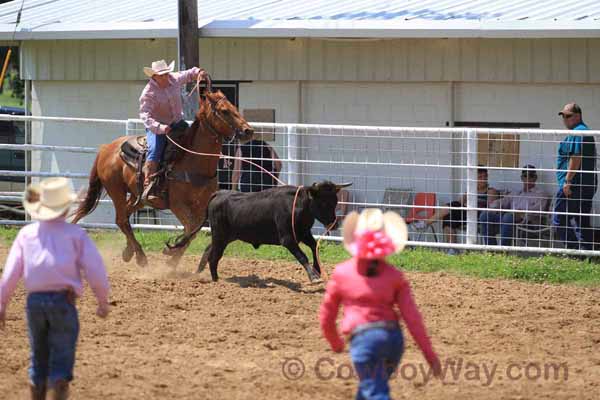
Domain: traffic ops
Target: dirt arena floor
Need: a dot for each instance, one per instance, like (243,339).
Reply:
(173,334)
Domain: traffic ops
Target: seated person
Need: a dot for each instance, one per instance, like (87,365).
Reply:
(453,219)
(250,177)
(530,198)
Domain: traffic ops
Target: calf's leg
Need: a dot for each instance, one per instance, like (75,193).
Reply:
(310,241)
(216,252)
(293,248)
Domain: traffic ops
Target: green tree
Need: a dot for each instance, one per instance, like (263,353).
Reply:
(13,79)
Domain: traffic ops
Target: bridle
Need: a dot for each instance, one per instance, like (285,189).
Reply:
(216,114)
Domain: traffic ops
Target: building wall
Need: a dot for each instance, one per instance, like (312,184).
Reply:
(415,60)
(384,83)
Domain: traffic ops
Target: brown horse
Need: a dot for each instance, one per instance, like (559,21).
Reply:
(217,119)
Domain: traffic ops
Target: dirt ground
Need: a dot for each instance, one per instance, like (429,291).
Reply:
(255,335)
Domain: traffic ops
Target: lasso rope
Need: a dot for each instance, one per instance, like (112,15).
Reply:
(224,156)
(221,155)
(323,273)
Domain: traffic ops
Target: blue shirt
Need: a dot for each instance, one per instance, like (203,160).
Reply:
(577,145)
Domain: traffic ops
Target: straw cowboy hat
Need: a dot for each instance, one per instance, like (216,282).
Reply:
(384,233)
(50,199)
(159,67)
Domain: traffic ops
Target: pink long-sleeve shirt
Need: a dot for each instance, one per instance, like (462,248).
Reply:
(160,107)
(53,256)
(370,299)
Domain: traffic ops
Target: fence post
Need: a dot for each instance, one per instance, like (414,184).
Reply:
(293,151)
(471,186)
(130,128)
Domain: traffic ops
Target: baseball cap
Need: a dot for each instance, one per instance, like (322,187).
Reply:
(529,170)
(570,108)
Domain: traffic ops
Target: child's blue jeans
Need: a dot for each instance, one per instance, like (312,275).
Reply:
(376,354)
(53,330)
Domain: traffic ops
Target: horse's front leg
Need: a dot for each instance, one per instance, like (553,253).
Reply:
(191,219)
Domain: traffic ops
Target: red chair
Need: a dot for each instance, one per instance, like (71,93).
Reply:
(423,208)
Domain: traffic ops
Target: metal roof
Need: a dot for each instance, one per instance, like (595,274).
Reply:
(97,19)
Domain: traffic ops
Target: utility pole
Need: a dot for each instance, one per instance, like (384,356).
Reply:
(188,49)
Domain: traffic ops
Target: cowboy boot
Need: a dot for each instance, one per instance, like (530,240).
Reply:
(60,390)
(38,392)
(150,168)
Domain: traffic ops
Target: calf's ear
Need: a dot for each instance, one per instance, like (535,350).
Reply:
(341,186)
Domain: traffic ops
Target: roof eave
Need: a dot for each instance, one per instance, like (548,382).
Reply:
(313,28)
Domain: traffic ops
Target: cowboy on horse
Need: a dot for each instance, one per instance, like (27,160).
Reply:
(189,168)
(161,110)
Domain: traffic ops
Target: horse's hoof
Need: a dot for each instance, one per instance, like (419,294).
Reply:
(127,254)
(201,268)
(316,281)
(173,262)
(142,261)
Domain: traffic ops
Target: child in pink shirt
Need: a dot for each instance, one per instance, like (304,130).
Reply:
(52,256)
(370,290)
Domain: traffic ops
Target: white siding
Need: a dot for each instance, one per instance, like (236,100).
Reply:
(416,60)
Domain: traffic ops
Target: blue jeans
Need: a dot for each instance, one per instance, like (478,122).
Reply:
(376,354)
(53,330)
(574,230)
(492,222)
(156,146)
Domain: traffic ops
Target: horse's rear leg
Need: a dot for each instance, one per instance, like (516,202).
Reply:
(204,259)
(123,211)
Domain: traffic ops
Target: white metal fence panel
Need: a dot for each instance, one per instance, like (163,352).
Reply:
(389,167)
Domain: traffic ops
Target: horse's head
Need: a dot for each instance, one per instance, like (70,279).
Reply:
(224,119)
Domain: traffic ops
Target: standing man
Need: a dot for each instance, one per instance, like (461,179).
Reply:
(577,182)
(161,109)
(249,177)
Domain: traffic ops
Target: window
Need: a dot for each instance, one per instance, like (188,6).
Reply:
(498,149)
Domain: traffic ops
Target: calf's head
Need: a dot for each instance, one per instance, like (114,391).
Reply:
(323,200)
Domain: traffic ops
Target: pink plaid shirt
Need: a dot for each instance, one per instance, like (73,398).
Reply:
(53,256)
(160,107)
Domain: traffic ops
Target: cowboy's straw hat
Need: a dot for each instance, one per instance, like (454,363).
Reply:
(50,199)
(373,220)
(159,67)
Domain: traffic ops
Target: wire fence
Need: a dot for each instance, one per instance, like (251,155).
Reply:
(458,188)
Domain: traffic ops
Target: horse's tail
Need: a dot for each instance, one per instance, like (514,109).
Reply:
(183,239)
(92,196)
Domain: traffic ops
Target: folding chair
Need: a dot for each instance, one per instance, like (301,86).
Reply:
(397,196)
(422,209)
